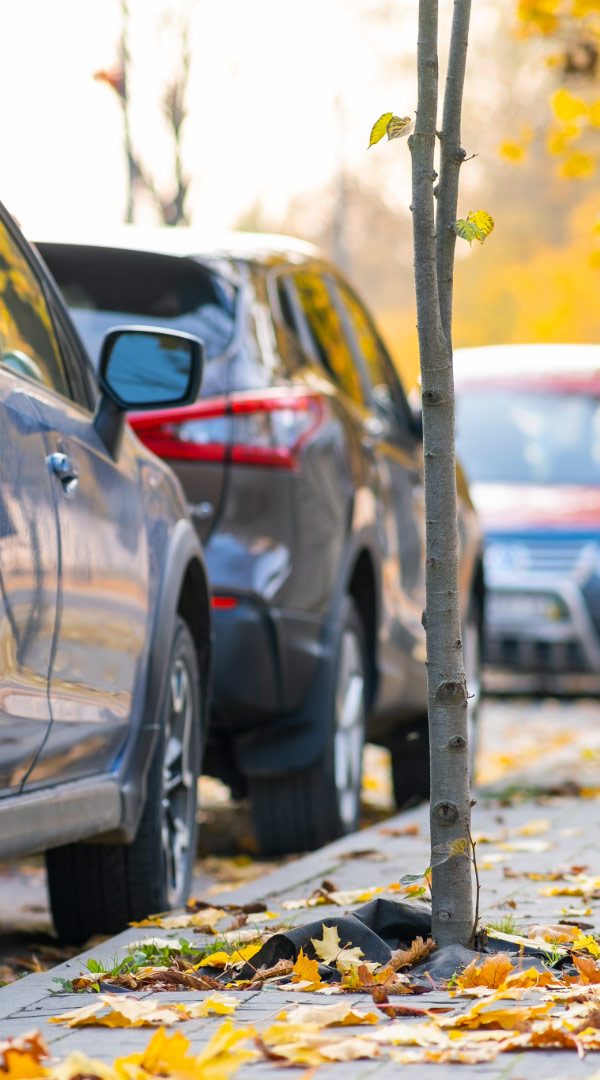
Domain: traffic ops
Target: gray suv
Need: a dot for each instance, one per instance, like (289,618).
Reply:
(302,466)
(104,611)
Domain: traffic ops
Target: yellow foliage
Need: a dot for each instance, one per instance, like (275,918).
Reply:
(557,138)
(595,113)
(578,165)
(566,107)
(511,151)
(539,15)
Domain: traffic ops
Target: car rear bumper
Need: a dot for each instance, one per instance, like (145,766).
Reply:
(264,661)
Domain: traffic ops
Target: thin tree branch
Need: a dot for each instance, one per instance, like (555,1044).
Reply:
(452,900)
(452,156)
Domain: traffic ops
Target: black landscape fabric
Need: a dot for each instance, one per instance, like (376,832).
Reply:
(377,928)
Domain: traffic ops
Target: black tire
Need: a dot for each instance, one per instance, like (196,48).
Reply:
(303,810)
(409,754)
(100,888)
(410,750)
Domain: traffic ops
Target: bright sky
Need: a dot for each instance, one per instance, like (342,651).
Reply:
(278,93)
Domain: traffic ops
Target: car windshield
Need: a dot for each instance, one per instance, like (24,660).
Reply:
(105,287)
(528,436)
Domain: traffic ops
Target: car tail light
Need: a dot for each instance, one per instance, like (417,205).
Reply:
(267,427)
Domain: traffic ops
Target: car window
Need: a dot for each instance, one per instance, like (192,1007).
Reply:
(28,342)
(105,288)
(327,334)
(388,395)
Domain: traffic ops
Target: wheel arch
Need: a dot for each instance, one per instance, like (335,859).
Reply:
(184,591)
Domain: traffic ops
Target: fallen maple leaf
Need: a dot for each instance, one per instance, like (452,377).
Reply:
(329,950)
(124,1011)
(307,971)
(327,1015)
(282,967)
(222,1005)
(491,973)
(589,971)
(22,1056)
(222,959)
(168,1056)
(419,950)
(207,917)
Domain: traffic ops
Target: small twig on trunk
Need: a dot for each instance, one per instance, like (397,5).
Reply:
(477,885)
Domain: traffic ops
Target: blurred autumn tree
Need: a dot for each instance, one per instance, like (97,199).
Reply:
(171,207)
(540,279)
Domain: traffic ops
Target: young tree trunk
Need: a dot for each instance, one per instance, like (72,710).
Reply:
(433,261)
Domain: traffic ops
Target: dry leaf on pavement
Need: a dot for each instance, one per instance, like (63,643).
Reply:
(327,1015)
(168,1056)
(22,1056)
(419,950)
(124,1011)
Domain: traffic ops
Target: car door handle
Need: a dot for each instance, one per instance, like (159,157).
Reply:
(66,470)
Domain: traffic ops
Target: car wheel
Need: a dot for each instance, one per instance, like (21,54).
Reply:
(409,753)
(410,750)
(100,888)
(303,810)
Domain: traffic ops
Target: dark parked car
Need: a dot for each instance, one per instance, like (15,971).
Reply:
(302,465)
(104,611)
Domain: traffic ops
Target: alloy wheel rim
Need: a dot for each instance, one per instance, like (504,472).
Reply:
(349,728)
(178,794)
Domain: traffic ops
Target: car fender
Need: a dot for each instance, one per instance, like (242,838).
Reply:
(298,741)
(183,567)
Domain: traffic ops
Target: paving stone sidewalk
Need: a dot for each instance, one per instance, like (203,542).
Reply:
(523,837)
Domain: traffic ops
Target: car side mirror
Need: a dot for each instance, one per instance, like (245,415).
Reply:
(144,367)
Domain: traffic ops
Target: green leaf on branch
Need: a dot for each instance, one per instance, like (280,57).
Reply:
(379,128)
(476,226)
(442,852)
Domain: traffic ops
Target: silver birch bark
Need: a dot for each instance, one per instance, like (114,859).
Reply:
(452,901)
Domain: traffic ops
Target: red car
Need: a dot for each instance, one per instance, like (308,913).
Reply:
(528,434)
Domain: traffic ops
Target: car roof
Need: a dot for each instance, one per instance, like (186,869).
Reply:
(554,364)
(192,242)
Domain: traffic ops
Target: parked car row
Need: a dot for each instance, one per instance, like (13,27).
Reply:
(293,578)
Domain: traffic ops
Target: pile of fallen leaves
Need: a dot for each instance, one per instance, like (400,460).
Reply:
(514,1009)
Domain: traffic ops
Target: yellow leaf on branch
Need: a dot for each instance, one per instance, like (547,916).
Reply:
(379,129)
(476,226)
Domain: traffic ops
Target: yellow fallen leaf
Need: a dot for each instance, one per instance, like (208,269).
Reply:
(220,1004)
(22,1057)
(124,1011)
(330,951)
(328,1015)
(307,971)
(77,1066)
(588,943)
(491,973)
(168,1056)
(222,959)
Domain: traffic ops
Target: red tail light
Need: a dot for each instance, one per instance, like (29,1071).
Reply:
(267,427)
